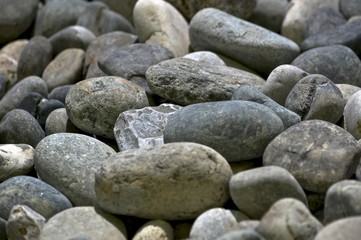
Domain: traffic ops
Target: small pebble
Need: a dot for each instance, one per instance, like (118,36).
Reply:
(156,229)
(352,115)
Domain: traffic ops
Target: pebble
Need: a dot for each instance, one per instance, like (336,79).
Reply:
(346,228)
(206,57)
(258,48)
(30,103)
(169,182)
(3,83)
(224,127)
(125,7)
(8,68)
(45,107)
(59,93)
(155,229)
(14,49)
(350,8)
(352,115)
(317,153)
(58,122)
(68,162)
(32,192)
(3,229)
(245,234)
(347,90)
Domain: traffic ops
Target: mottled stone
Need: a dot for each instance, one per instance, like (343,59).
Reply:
(352,115)
(205,57)
(226,128)
(172,181)
(347,90)
(60,92)
(258,48)
(350,8)
(156,229)
(45,108)
(317,153)
(346,228)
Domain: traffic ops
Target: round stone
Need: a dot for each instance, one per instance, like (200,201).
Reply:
(346,228)
(155,229)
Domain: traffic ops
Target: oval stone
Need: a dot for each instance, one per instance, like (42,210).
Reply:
(352,115)
(155,229)
(346,228)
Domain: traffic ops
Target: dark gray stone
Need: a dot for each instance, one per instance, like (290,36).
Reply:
(3,229)
(30,103)
(317,153)
(352,115)
(239,130)
(45,108)
(124,7)
(346,228)
(60,92)
(350,8)
(3,83)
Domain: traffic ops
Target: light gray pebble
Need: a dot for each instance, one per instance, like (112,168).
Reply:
(155,229)
(205,57)
(347,90)
(352,115)
(345,228)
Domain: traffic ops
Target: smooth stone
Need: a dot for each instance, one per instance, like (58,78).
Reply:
(255,191)
(68,162)
(24,223)
(326,61)
(3,229)
(350,8)
(352,115)
(66,68)
(3,83)
(34,58)
(60,92)
(256,47)
(346,228)
(212,224)
(124,7)
(93,71)
(226,128)
(290,219)
(13,97)
(347,90)
(16,159)
(45,108)
(233,63)
(185,81)
(19,126)
(206,57)
(58,122)
(156,229)
(317,153)
(30,191)
(142,128)
(30,103)
(8,69)
(14,49)
(158,22)
(83,223)
(90,100)
(248,93)
(169,182)
(246,234)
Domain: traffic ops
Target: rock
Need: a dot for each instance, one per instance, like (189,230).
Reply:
(346,228)
(156,183)
(13,97)
(156,229)
(3,83)
(258,48)
(32,192)
(316,202)
(124,8)
(352,115)
(89,101)
(248,93)
(60,92)
(290,219)
(206,57)
(36,55)
(246,234)
(3,229)
(350,8)
(16,17)
(45,108)
(19,126)
(83,223)
(213,223)
(347,90)
(317,153)
(226,128)
(58,122)
(16,159)
(8,67)
(326,61)
(255,191)
(142,128)
(24,223)
(158,22)
(14,49)
(185,81)
(68,161)
(30,103)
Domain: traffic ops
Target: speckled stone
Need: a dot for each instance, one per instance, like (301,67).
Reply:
(352,115)
(155,229)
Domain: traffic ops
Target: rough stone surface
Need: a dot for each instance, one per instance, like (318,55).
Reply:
(205,57)
(124,7)
(156,229)
(350,8)
(172,182)
(352,115)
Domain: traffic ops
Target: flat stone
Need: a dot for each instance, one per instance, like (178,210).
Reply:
(352,115)
(156,183)
(350,8)
(346,228)
(347,90)
(205,57)
(226,128)
(155,229)
(258,48)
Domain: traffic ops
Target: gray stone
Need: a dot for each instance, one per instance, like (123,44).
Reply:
(15,160)
(352,115)
(142,128)
(80,223)
(248,93)
(326,61)
(350,8)
(205,57)
(124,7)
(317,153)
(169,182)
(30,103)
(346,228)
(68,162)
(156,229)
(239,130)
(58,122)
(158,22)
(60,92)
(3,229)
(45,107)
(255,191)
(246,234)
(3,83)
(185,81)
(258,48)
(32,192)
(8,68)
(289,219)
(24,223)
(14,49)
(93,105)
(347,90)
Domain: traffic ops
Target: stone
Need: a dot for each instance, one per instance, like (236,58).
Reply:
(3,229)
(205,57)
(8,68)
(212,223)
(60,92)
(155,229)
(290,219)
(124,8)
(24,223)
(32,192)
(226,128)
(13,97)
(158,22)
(83,223)
(185,81)
(19,126)
(350,8)
(65,69)
(15,160)
(347,90)
(175,181)
(248,93)
(317,153)
(45,108)
(90,100)
(14,49)
(256,47)
(34,58)
(255,191)
(3,83)
(352,115)
(142,128)
(346,228)
(13,24)
(316,202)
(58,122)
(326,61)
(68,162)
(244,234)
(30,103)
